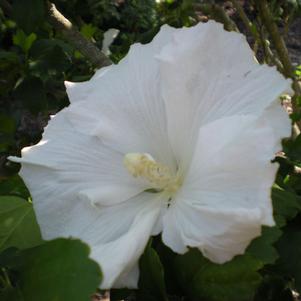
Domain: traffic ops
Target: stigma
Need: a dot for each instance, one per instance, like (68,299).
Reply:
(158,175)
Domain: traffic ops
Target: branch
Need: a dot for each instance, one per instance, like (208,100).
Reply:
(246,20)
(288,69)
(218,13)
(74,37)
(277,40)
(257,37)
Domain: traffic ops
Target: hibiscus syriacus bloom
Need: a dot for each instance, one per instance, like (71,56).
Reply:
(175,139)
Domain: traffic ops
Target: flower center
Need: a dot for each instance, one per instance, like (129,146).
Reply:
(159,175)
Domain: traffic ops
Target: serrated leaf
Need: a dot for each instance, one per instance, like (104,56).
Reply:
(236,280)
(28,14)
(151,283)
(18,226)
(59,270)
(263,248)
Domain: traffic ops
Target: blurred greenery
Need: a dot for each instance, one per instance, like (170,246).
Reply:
(35,60)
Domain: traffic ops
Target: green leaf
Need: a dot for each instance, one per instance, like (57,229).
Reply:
(41,47)
(54,61)
(262,247)
(151,283)
(18,226)
(88,30)
(28,14)
(286,205)
(14,185)
(236,280)
(59,270)
(289,248)
(50,55)
(23,41)
(31,91)
(8,257)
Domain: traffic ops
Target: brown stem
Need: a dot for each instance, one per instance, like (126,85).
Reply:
(246,20)
(279,44)
(74,37)
(218,13)
(277,40)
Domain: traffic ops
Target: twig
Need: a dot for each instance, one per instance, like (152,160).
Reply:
(258,39)
(74,37)
(278,42)
(70,33)
(218,14)
(269,55)
(246,20)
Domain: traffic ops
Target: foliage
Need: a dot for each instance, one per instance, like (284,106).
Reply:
(35,59)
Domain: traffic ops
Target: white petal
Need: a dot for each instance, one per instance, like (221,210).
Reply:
(123,106)
(81,189)
(77,163)
(128,279)
(208,74)
(225,197)
(119,257)
(220,234)
(116,233)
(278,119)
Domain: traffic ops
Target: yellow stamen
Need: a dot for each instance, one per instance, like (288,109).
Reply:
(160,177)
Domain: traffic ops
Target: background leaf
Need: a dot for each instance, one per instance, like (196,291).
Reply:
(29,14)
(151,283)
(286,204)
(236,280)
(262,247)
(18,226)
(59,270)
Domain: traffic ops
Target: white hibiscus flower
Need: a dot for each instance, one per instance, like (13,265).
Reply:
(176,139)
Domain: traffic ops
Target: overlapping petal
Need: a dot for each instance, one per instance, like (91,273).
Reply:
(123,104)
(90,195)
(226,194)
(208,74)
